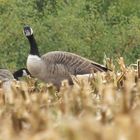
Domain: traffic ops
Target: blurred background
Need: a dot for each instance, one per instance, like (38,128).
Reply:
(90,28)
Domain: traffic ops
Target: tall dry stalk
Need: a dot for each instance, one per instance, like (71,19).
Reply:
(105,106)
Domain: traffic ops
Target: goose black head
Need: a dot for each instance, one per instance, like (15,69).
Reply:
(28,31)
(20,73)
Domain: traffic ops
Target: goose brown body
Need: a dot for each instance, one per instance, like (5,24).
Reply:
(53,67)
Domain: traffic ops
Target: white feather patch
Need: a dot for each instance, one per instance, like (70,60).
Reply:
(84,75)
(35,57)
(24,73)
(34,64)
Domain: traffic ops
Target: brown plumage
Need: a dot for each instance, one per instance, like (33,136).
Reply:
(5,75)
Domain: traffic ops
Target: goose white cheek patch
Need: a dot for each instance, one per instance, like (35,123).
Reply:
(24,73)
(28,32)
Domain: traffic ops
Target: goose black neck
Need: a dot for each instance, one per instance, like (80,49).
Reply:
(18,74)
(33,46)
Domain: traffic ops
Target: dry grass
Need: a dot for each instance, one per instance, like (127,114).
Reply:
(103,107)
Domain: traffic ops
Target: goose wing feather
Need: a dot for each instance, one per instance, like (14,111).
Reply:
(64,63)
(55,73)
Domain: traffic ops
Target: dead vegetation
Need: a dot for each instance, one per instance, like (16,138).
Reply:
(103,107)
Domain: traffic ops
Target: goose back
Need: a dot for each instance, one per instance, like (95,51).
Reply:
(71,63)
(5,75)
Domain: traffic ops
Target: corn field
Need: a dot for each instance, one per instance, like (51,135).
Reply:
(105,106)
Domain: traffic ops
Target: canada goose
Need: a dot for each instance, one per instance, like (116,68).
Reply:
(55,66)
